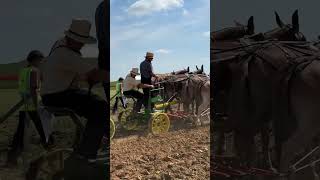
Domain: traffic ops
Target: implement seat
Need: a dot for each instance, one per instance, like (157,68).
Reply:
(132,98)
(62,112)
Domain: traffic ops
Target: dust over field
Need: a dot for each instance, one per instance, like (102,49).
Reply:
(182,154)
(179,154)
(64,131)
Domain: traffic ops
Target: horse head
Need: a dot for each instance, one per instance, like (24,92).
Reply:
(236,32)
(183,71)
(222,70)
(286,32)
(199,71)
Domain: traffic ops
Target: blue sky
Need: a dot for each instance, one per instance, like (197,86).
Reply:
(177,31)
(223,14)
(37,24)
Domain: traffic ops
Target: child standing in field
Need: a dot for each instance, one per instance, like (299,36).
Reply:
(119,95)
(29,90)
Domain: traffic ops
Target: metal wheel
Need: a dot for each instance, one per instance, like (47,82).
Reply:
(159,123)
(49,166)
(112,128)
(127,119)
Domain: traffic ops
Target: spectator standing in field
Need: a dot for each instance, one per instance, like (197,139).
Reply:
(119,95)
(29,90)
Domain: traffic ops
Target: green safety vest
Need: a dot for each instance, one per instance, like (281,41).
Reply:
(24,89)
(118,89)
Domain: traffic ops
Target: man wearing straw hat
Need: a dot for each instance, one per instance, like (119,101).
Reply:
(62,72)
(131,86)
(147,74)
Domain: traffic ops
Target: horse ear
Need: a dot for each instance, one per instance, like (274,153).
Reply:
(279,22)
(197,67)
(202,67)
(295,21)
(188,69)
(250,25)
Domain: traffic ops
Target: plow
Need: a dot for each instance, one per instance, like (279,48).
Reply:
(156,120)
(229,167)
(226,167)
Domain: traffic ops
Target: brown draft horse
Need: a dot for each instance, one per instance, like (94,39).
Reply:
(225,78)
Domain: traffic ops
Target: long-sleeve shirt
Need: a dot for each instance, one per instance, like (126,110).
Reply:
(130,83)
(146,69)
(61,70)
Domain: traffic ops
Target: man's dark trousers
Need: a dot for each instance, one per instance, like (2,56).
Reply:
(140,99)
(17,145)
(146,91)
(93,108)
(115,107)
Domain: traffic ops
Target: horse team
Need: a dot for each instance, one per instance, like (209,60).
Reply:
(267,81)
(191,89)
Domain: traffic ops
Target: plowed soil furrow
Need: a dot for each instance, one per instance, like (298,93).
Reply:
(182,154)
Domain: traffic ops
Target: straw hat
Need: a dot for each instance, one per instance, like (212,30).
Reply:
(149,54)
(135,71)
(80,31)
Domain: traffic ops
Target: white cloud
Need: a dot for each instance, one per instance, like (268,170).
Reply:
(206,34)
(145,7)
(185,12)
(118,18)
(163,51)
(129,34)
(135,37)
(140,24)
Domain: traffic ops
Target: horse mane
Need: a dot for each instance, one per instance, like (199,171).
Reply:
(165,76)
(228,33)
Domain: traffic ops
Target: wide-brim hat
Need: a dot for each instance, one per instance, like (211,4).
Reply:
(149,54)
(135,71)
(80,31)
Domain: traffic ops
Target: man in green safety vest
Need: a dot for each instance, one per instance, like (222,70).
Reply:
(119,95)
(29,90)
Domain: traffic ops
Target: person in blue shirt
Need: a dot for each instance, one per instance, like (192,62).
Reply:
(147,74)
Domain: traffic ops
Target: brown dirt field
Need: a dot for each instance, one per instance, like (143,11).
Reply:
(182,154)
(63,138)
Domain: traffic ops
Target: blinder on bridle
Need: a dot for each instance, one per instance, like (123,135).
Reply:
(300,37)
(172,86)
(285,33)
